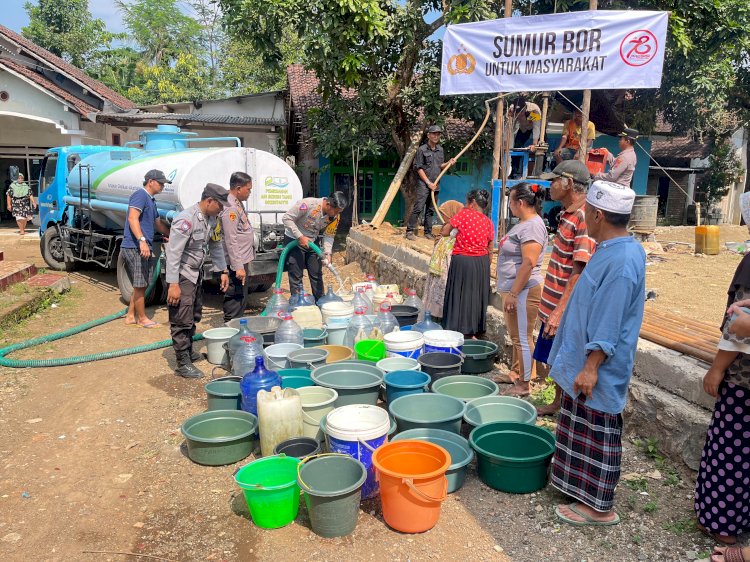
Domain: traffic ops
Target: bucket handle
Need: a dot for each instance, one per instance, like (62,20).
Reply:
(366,444)
(311,420)
(303,461)
(410,483)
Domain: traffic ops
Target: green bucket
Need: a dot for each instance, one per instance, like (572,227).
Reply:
(436,411)
(332,485)
(224,395)
(499,408)
(356,382)
(313,337)
(220,437)
(513,457)
(271,490)
(370,350)
(465,387)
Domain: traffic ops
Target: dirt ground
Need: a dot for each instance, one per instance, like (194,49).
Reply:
(92,459)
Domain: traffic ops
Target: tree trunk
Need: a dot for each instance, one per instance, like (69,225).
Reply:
(398,181)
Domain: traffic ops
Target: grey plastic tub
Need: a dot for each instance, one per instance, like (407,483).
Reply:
(465,387)
(357,382)
(499,408)
(460,451)
(308,358)
(435,411)
(224,395)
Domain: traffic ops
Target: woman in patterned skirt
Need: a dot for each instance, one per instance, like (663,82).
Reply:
(722,496)
(21,203)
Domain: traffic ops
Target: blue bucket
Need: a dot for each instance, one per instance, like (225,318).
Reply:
(445,341)
(404,344)
(357,430)
(401,383)
(295,378)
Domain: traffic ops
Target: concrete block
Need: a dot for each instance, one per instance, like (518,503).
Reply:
(678,426)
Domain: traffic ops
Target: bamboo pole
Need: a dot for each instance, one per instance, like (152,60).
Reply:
(496,151)
(585,108)
(398,179)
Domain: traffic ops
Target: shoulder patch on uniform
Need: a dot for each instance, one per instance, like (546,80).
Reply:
(185,226)
(232,216)
(303,207)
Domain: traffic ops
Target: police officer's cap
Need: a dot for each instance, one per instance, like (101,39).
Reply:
(573,169)
(435,129)
(630,134)
(216,192)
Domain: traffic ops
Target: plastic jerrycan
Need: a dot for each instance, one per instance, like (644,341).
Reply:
(279,417)
(707,240)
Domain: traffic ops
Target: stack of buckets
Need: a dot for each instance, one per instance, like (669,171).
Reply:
(408,475)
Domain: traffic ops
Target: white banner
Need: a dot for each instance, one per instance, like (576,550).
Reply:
(594,50)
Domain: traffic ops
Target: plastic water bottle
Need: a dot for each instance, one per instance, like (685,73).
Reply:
(372,281)
(386,320)
(359,327)
(306,300)
(330,296)
(243,360)
(361,300)
(426,324)
(235,342)
(370,293)
(413,300)
(277,303)
(258,379)
(289,331)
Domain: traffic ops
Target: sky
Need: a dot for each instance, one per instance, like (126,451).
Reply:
(15,17)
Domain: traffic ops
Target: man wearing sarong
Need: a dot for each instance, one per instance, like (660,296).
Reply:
(592,360)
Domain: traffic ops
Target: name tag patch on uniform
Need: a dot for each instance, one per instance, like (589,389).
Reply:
(185,226)
(232,216)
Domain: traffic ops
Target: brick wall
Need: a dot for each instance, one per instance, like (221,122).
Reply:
(675,209)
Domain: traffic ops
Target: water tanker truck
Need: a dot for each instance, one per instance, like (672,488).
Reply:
(84,193)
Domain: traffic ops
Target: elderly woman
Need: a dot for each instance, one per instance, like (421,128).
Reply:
(467,291)
(519,280)
(721,491)
(21,203)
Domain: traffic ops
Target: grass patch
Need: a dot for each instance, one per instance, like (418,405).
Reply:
(543,394)
(680,526)
(651,506)
(11,323)
(639,484)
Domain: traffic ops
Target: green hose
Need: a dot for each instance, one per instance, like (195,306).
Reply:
(61,362)
(282,259)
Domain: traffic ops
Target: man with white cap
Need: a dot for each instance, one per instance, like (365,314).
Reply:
(592,360)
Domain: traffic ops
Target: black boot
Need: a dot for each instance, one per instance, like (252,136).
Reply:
(194,355)
(185,367)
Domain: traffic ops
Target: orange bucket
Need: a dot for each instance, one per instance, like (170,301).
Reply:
(412,483)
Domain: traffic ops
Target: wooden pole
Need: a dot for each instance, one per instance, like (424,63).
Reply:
(585,108)
(539,153)
(398,179)
(498,141)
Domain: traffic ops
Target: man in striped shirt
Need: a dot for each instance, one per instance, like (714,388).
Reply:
(571,251)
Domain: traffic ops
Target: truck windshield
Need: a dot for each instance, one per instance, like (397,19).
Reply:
(49,168)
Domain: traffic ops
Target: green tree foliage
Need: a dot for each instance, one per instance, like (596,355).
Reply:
(66,29)
(185,80)
(724,169)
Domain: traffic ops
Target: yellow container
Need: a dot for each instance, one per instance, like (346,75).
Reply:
(707,240)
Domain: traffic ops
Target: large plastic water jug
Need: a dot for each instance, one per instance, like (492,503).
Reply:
(289,331)
(277,303)
(243,360)
(258,379)
(360,300)
(279,417)
(330,296)
(359,328)
(413,300)
(707,240)
(386,320)
(427,324)
(236,340)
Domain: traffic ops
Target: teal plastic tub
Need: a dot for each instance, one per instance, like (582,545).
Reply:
(356,382)
(313,337)
(435,411)
(513,457)
(458,447)
(465,387)
(402,383)
(499,408)
(223,395)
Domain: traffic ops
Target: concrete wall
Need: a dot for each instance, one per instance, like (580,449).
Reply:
(666,402)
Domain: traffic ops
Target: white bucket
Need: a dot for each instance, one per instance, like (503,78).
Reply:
(358,422)
(398,364)
(404,344)
(277,355)
(317,402)
(446,341)
(215,340)
(336,333)
(337,313)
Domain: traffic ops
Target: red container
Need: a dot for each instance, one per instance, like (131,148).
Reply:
(596,160)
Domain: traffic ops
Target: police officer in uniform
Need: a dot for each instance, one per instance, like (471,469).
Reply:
(303,223)
(239,244)
(622,168)
(428,162)
(192,232)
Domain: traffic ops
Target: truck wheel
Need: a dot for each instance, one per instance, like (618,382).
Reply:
(157,296)
(51,246)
